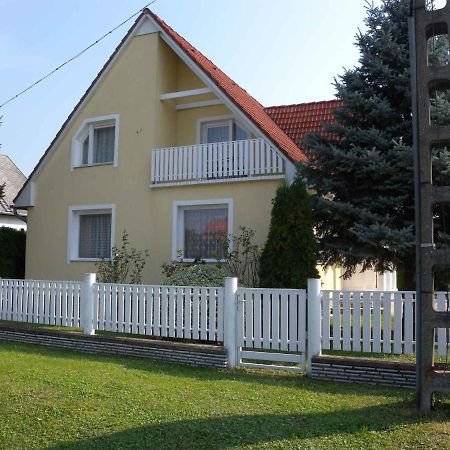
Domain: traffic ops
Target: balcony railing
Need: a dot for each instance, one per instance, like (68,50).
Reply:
(218,162)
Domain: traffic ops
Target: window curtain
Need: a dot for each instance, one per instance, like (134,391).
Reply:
(203,231)
(217,134)
(95,236)
(104,144)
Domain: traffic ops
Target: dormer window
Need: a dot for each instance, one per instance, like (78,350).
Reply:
(96,142)
(221,130)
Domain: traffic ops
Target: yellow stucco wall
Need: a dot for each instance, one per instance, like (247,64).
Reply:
(132,88)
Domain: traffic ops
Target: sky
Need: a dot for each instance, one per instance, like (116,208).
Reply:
(280,51)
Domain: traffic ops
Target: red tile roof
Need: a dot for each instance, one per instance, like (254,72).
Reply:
(298,120)
(242,99)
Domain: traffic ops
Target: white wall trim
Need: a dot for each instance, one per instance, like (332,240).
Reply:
(27,197)
(200,104)
(170,184)
(187,93)
(73,228)
(177,223)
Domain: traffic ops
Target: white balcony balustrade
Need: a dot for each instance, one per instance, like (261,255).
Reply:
(217,162)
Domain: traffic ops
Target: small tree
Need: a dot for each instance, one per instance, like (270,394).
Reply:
(290,255)
(242,257)
(125,266)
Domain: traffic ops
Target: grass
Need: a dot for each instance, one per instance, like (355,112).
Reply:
(57,399)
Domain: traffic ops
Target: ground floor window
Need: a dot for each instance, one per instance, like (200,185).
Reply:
(200,228)
(91,232)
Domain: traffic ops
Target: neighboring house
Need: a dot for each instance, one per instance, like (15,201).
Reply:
(13,178)
(165,146)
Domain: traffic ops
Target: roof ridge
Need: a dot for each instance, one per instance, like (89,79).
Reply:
(335,100)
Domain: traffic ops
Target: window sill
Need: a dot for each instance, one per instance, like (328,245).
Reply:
(208,260)
(95,165)
(89,259)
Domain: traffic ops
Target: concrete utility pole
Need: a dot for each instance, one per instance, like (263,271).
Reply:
(425,23)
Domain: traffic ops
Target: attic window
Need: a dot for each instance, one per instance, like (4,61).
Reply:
(96,142)
(221,130)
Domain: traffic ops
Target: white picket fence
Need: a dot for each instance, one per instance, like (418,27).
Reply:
(271,326)
(167,311)
(377,322)
(38,301)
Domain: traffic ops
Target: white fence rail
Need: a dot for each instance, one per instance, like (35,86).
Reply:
(44,302)
(378,322)
(167,311)
(216,161)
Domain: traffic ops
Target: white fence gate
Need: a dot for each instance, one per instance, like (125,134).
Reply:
(271,326)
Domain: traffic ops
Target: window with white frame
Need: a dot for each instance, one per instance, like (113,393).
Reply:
(221,130)
(96,142)
(91,232)
(200,229)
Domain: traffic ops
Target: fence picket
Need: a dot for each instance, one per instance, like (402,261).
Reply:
(203,314)
(366,322)
(326,320)
(441,333)
(248,327)
(336,321)
(398,314)
(376,322)
(356,328)
(293,306)
(211,315)
(166,300)
(284,298)
(195,313)
(219,293)
(346,321)
(179,315)
(408,324)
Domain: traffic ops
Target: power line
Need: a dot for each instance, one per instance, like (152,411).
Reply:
(76,56)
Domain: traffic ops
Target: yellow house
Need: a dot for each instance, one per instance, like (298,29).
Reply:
(163,145)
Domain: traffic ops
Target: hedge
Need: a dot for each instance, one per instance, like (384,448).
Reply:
(12,253)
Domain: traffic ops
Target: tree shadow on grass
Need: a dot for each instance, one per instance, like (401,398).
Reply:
(249,430)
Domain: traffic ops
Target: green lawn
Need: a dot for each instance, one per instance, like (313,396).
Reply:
(64,400)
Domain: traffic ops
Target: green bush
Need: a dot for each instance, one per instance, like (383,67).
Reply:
(197,273)
(290,255)
(125,266)
(12,253)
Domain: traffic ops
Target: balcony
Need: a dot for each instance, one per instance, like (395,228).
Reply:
(251,159)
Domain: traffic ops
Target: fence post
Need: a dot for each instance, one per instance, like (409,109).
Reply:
(230,320)
(87,304)
(314,343)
